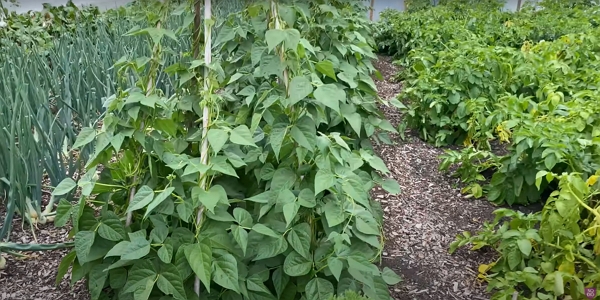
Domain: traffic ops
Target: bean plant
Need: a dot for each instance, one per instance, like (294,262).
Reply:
(253,177)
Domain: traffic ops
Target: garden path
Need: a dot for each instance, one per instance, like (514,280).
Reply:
(426,216)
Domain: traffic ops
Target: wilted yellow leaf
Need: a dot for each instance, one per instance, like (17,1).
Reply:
(592,180)
(483,268)
(482,278)
(467,142)
(567,267)
(503,133)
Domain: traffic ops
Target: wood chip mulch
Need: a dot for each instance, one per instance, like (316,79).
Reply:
(420,223)
(425,218)
(33,277)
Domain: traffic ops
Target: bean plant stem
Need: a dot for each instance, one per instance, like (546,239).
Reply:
(131,195)
(149,89)
(281,50)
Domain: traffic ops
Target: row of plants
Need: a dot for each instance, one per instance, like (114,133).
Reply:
(37,29)
(537,105)
(550,127)
(465,91)
(251,179)
(47,95)
(51,89)
(552,254)
(518,91)
(453,21)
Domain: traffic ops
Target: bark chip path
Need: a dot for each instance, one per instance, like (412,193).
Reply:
(422,221)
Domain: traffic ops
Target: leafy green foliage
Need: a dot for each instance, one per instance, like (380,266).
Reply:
(45,99)
(287,212)
(545,116)
(417,5)
(457,21)
(471,163)
(493,78)
(518,90)
(37,29)
(548,254)
(452,92)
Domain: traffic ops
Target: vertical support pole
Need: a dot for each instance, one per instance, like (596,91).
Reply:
(205,109)
(207,61)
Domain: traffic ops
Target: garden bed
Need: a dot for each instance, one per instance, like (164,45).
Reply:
(420,224)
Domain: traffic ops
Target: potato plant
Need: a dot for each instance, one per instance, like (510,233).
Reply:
(547,255)
(450,93)
(465,21)
(521,96)
(277,205)
(546,118)
(36,30)
(533,101)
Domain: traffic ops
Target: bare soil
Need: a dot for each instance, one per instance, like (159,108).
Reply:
(420,223)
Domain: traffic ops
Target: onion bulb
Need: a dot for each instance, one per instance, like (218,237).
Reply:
(32,213)
(2,262)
